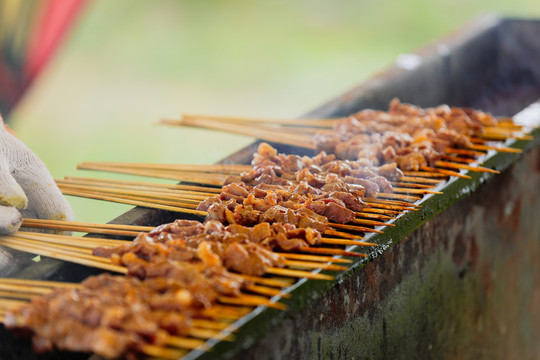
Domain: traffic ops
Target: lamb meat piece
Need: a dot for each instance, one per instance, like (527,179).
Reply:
(271,180)
(234,191)
(304,188)
(371,189)
(207,203)
(207,255)
(142,247)
(341,168)
(412,161)
(228,285)
(290,163)
(309,235)
(238,229)
(264,151)
(390,171)
(315,181)
(349,200)
(322,158)
(384,185)
(229,179)
(246,215)
(326,142)
(283,243)
(338,213)
(349,149)
(279,214)
(259,204)
(213,226)
(236,257)
(307,218)
(335,186)
(317,206)
(179,226)
(216,212)
(455,138)
(260,232)
(362,173)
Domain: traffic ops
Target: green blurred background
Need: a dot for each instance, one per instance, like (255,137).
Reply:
(128,63)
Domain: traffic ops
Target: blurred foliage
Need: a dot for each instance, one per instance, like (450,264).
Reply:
(130,62)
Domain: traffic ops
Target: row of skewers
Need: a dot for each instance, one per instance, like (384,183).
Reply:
(266,225)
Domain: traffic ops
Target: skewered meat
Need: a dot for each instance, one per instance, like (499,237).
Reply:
(112,316)
(408,135)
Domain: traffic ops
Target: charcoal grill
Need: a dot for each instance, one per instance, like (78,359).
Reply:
(460,278)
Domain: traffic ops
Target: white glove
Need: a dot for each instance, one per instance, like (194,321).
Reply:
(27,189)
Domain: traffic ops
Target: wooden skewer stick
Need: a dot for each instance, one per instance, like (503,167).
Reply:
(464,152)
(384,211)
(374,216)
(294,256)
(92,261)
(166,197)
(342,234)
(398,196)
(466,167)
(162,175)
(40,283)
(161,352)
(499,149)
(411,185)
(445,172)
(40,222)
(313,265)
(415,191)
(214,168)
(459,159)
(264,133)
(266,291)
(388,207)
(132,202)
(371,222)
(209,324)
(347,242)
(384,202)
(327,251)
(298,274)
(251,300)
(356,228)
(428,175)
(184,342)
(234,119)
(420,180)
(90,181)
(509,135)
(279,283)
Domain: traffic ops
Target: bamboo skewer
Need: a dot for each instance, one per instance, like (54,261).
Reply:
(143,184)
(444,171)
(182,207)
(82,256)
(89,243)
(496,148)
(347,242)
(319,258)
(250,130)
(234,119)
(182,202)
(466,167)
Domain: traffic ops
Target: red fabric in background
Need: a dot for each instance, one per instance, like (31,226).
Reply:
(49,26)
(52,23)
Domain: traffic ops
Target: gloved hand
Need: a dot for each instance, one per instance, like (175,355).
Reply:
(27,189)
